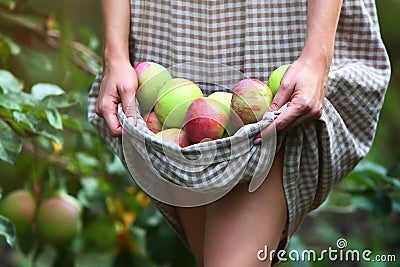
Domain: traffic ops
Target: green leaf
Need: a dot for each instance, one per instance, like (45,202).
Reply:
(15,49)
(42,90)
(395,171)
(8,103)
(9,83)
(10,143)
(361,179)
(53,102)
(7,230)
(47,131)
(29,119)
(24,20)
(373,169)
(383,205)
(10,4)
(54,118)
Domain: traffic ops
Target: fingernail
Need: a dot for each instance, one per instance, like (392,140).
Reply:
(257,141)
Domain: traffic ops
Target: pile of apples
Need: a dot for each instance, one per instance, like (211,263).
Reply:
(176,110)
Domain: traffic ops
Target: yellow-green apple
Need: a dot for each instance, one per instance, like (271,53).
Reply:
(206,119)
(151,77)
(224,97)
(19,207)
(274,80)
(251,99)
(173,101)
(152,122)
(175,135)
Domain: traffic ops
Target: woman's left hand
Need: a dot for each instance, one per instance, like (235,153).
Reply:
(304,85)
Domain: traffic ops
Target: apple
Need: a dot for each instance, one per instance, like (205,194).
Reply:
(175,135)
(19,207)
(151,77)
(251,99)
(224,97)
(173,101)
(58,219)
(274,80)
(101,234)
(205,120)
(152,122)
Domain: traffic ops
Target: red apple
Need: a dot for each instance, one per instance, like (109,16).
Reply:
(175,135)
(251,99)
(58,219)
(205,119)
(152,122)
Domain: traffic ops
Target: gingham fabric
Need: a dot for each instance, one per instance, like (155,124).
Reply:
(255,37)
(211,166)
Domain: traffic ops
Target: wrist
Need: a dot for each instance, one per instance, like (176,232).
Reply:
(319,56)
(115,58)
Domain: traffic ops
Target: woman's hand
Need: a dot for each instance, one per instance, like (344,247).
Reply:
(118,85)
(304,85)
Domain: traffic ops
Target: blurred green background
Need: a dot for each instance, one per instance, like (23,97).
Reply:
(49,53)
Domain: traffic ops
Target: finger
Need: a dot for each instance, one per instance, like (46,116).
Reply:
(128,102)
(266,133)
(110,116)
(309,116)
(289,115)
(282,95)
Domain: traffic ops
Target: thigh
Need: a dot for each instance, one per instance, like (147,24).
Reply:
(242,223)
(193,222)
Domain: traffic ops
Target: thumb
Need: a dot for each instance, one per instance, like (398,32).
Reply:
(282,96)
(128,101)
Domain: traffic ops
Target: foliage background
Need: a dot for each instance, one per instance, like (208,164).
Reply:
(56,46)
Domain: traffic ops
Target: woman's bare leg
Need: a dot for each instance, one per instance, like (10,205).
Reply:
(193,221)
(242,223)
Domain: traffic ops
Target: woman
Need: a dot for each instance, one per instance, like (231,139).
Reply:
(335,86)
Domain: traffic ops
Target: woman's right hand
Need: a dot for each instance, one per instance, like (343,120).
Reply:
(118,85)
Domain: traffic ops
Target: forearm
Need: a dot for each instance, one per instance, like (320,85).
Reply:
(322,20)
(116,17)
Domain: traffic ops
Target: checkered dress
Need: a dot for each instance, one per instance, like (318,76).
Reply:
(255,37)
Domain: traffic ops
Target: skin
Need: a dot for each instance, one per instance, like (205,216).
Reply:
(119,81)
(232,237)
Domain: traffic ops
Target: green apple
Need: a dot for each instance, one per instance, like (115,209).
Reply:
(224,97)
(275,78)
(151,77)
(173,101)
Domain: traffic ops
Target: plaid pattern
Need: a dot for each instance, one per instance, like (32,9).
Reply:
(205,167)
(255,37)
